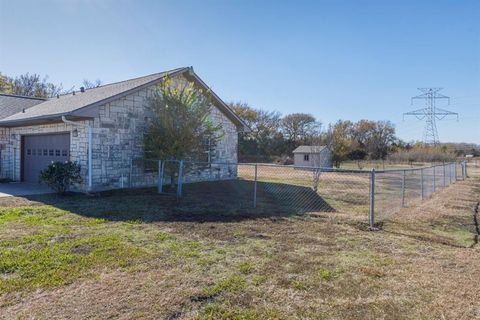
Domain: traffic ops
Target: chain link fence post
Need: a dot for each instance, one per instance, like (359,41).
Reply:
(14,168)
(444,176)
(255,187)
(450,174)
(434,179)
(403,188)
(372,199)
(180,179)
(455,168)
(130,174)
(161,165)
(454,171)
(422,183)
(450,169)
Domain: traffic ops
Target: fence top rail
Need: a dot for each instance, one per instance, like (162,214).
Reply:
(328,169)
(421,168)
(323,169)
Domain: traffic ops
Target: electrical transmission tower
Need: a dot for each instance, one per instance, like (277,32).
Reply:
(430,113)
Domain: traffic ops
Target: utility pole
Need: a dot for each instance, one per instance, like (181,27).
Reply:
(430,113)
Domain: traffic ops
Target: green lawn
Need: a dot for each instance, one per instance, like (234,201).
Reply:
(137,254)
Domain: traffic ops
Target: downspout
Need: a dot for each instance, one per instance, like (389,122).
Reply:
(89,164)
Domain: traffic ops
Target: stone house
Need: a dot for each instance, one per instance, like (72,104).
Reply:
(100,128)
(312,156)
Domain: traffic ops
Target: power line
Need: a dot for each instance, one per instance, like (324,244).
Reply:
(430,113)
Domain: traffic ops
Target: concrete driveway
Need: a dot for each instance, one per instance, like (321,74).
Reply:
(15,189)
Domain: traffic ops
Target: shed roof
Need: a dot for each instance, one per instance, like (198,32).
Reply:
(309,149)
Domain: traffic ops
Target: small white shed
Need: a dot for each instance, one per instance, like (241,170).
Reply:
(312,156)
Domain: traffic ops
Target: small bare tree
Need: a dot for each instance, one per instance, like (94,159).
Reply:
(87,84)
(316,148)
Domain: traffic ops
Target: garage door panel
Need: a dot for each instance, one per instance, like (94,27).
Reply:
(41,150)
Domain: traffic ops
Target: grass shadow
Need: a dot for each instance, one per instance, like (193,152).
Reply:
(215,201)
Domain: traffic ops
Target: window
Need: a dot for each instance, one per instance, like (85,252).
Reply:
(50,152)
(29,152)
(39,152)
(64,153)
(57,153)
(209,150)
(306,157)
(34,152)
(45,152)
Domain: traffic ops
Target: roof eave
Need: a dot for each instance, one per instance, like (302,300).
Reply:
(40,120)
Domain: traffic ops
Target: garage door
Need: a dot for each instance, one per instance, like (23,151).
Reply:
(41,150)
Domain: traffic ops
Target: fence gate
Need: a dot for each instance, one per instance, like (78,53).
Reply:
(170,177)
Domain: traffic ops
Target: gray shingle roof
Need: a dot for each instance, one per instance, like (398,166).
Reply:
(72,105)
(309,149)
(12,104)
(68,103)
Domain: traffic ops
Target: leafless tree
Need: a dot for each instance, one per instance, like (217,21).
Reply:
(87,84)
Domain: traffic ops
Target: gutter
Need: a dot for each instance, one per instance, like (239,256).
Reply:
(89,164)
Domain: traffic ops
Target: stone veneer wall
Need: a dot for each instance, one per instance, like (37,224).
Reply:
(117,144)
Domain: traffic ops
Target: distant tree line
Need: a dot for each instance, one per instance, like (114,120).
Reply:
(365,139)
(274,137)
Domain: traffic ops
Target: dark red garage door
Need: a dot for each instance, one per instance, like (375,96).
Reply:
(41,150)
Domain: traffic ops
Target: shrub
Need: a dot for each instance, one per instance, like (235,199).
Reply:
(60,176)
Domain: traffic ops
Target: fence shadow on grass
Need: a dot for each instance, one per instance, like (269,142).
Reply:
(216,201)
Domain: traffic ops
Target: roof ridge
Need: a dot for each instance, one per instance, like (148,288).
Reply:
(20,96)
(148,75)
(136,78)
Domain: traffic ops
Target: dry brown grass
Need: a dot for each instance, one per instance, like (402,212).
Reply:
(422,265)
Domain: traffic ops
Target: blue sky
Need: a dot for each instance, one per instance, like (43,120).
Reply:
(334,59)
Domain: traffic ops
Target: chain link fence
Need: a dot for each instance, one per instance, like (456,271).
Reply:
(305,189)
(372,195)
(398,188)
(364,194)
